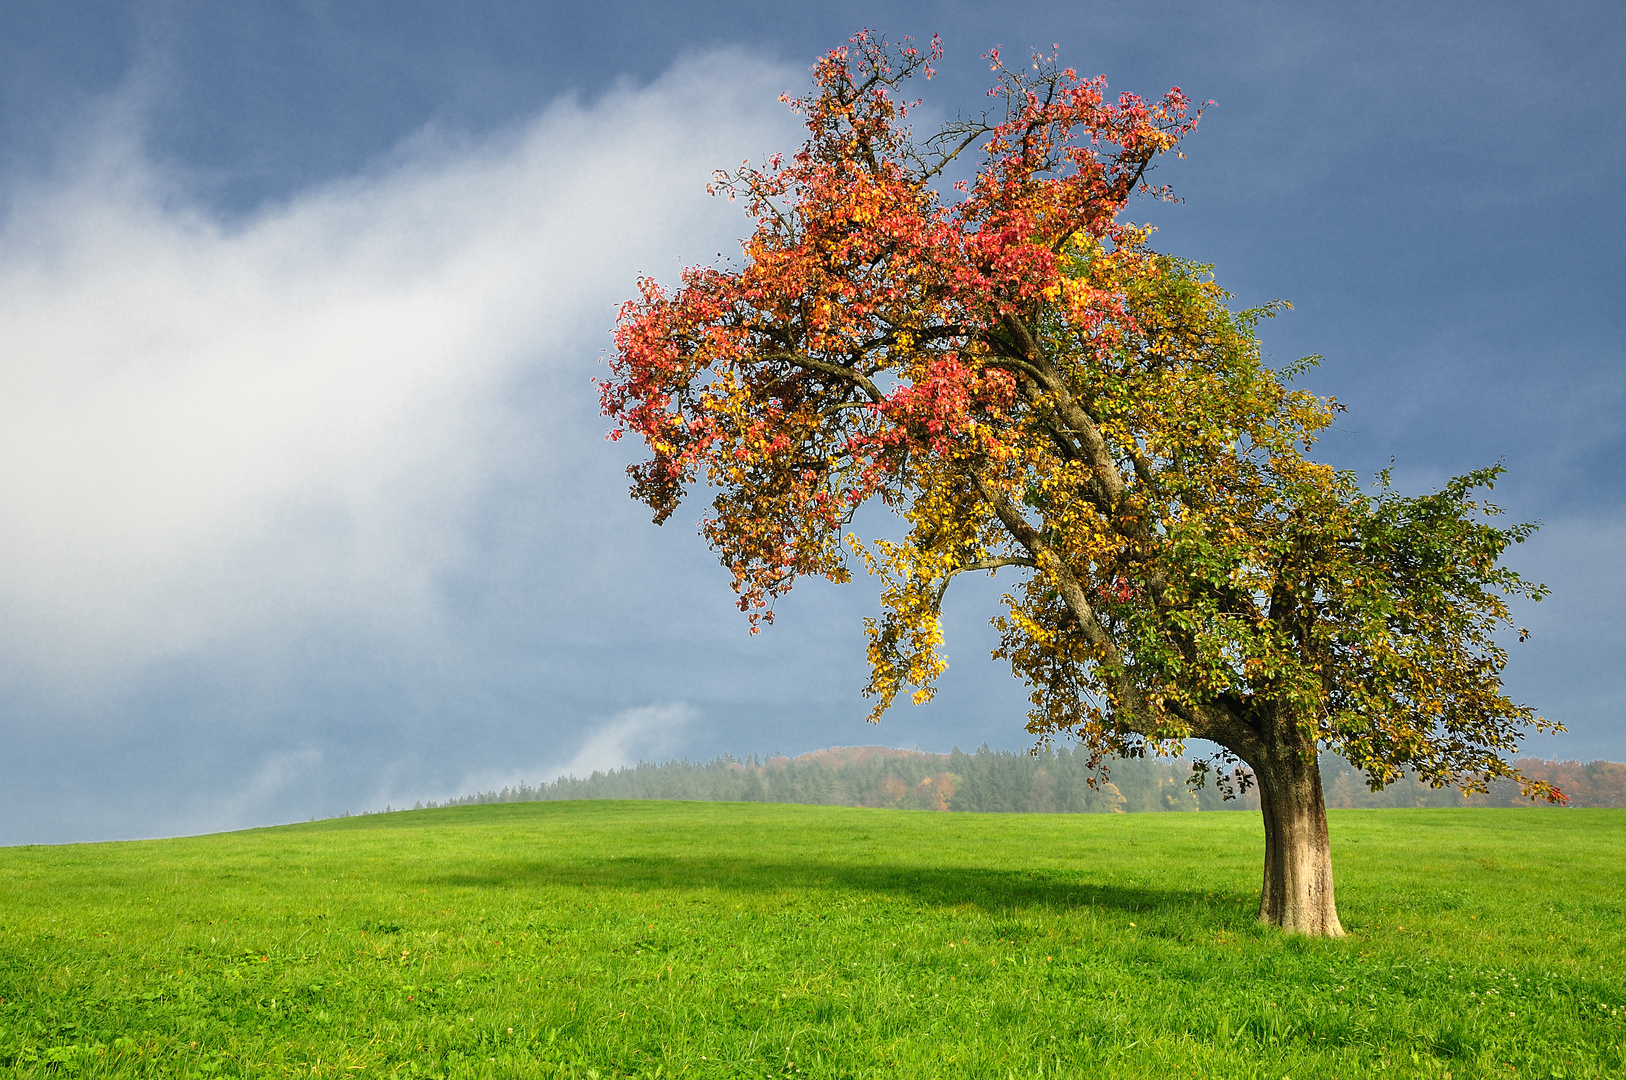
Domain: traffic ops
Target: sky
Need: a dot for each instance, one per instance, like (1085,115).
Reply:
(305,505)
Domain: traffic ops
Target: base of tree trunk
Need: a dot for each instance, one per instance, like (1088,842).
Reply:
(1297,894)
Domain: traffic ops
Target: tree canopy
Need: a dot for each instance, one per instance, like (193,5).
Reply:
(1009,366)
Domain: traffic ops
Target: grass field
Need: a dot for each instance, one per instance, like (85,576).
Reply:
(692,939)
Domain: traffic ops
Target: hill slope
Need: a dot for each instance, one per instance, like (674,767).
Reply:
(702,939)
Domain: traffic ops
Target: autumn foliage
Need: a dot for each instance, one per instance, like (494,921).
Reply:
(1010,367)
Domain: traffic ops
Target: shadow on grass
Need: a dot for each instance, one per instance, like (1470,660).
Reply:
(938,886)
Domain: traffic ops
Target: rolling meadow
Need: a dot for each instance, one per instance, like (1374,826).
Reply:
(601,939)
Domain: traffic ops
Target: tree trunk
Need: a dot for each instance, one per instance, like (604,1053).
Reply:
(1297,894)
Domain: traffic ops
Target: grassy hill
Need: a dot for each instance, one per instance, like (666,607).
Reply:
(600,939)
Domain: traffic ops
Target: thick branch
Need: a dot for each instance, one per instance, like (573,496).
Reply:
(807,363)
(1224,721)
(1128,707)
(831,410)
(1058,435)
(1016,363)
(1143,470)
(1094,445)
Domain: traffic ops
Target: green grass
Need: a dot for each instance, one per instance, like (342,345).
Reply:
(692,939)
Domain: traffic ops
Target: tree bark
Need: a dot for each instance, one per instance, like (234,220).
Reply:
(1297,894)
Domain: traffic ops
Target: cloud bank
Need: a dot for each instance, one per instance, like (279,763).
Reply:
(208,428)
(305,425)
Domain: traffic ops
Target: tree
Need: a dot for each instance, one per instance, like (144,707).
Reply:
(1009,367)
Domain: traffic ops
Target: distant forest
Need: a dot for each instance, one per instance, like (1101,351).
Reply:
(1000,781)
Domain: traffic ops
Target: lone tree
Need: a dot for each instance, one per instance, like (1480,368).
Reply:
(1013,371)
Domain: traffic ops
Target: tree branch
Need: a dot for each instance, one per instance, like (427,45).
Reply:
(944,157)
(1128,706)
(1094,445)
(1141,171)
(807,363)
(1058,435)
(985,564)
(1016,363)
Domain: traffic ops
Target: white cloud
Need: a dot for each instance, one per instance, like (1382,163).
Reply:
(631,736)
(274,774)
(647,733)
(212,430)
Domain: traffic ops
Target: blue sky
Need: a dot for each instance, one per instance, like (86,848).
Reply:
(306,502)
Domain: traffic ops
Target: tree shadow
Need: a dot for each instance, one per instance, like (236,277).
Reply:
(949,887)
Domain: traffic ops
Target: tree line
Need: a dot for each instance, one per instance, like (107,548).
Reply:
(1049,781)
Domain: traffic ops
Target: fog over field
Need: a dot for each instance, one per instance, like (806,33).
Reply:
(304,497)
